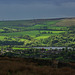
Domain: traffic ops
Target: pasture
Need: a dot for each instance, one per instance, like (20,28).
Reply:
(1,30)
(15,48)
(32,33)
(66,22)
(2,37)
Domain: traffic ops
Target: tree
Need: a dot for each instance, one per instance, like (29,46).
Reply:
(73,47)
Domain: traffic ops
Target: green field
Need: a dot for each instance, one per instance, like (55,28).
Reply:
(19,48)
(1,30)
(2,37)
(31,33)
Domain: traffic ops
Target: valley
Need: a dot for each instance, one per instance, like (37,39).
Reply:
(38,32)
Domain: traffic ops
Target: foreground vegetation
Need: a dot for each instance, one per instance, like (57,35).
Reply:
(23,66)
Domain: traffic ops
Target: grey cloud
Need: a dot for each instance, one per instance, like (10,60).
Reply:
(36,10)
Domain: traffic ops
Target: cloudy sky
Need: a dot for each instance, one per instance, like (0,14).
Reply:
(36,9)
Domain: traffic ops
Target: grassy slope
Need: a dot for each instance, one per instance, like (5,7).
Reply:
(66,22)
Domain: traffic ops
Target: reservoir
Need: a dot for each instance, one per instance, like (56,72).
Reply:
(50,47)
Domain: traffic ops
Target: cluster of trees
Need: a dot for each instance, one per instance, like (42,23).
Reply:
(11,43)
(9,30)
(56,40)
(66,55)
(71,30)
(65,39)
(26,37)
(44,32)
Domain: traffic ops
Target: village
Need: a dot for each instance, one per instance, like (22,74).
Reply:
(59,54)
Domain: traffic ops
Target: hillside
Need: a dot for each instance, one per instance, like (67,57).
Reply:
(66,22)
(38,32)
(26,22)
(22,66)
(17,39)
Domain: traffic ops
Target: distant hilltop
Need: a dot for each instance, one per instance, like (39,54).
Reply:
(42,19)
(60,22)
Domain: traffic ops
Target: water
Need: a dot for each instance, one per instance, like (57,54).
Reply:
(51,47)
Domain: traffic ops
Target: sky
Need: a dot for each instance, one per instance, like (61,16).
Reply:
(36,9)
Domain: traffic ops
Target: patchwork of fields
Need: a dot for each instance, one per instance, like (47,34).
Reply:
(34,30)
(31,33)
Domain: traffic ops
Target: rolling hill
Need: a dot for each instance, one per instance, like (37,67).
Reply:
(39,30)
